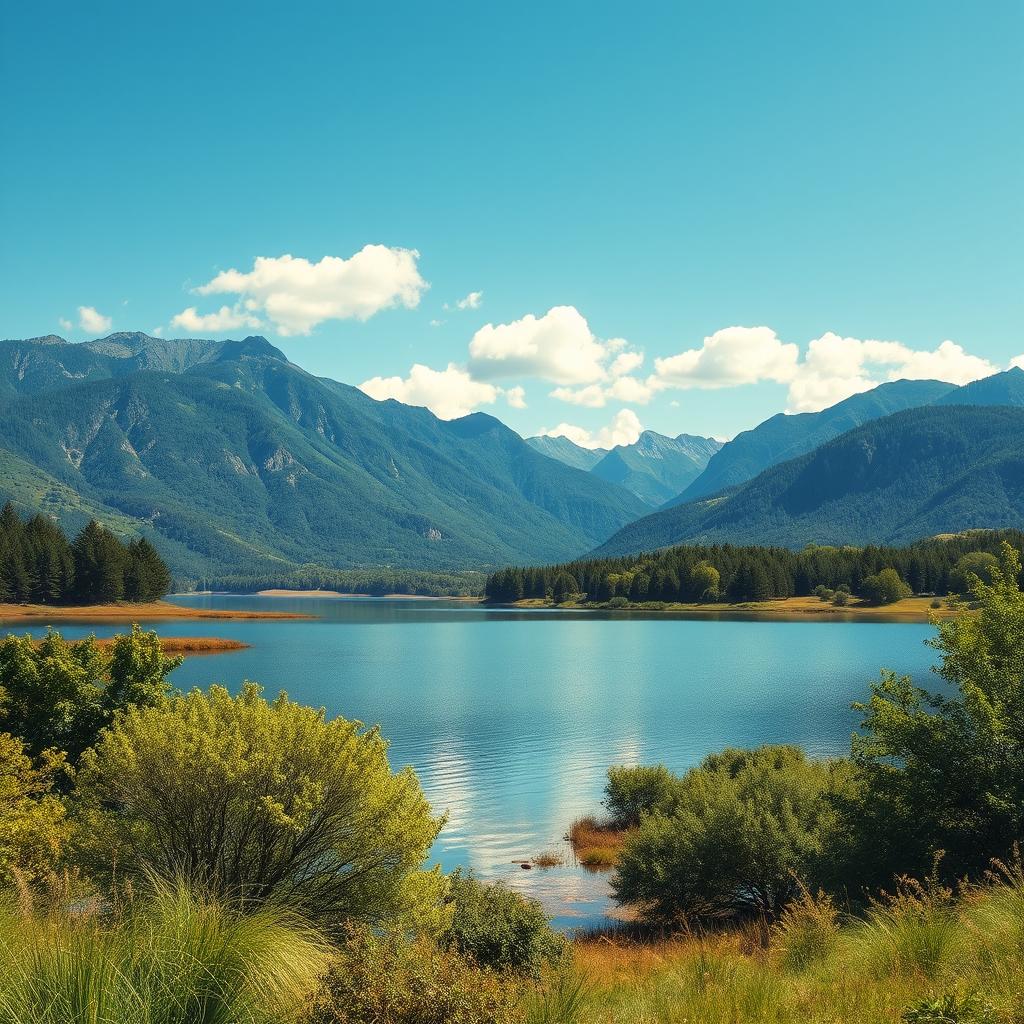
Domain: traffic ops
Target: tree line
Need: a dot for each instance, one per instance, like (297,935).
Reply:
(39,564)
(728,572)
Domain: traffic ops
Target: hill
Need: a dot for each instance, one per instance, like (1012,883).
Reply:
(784,436)
(920,472)
(233,460)
(564,450)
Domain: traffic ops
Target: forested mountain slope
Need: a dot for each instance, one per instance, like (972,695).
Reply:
(232,459)
(938,469)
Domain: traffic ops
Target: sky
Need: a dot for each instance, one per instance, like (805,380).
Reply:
(583,218)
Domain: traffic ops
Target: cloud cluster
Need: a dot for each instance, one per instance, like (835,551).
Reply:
(91,320)
(227,318)
(624,428)
(472,301)
(296,295)
(447,393)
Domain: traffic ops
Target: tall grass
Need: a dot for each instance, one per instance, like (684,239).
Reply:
(920,947)
(172,958)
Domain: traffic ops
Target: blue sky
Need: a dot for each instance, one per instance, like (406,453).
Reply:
(764,175)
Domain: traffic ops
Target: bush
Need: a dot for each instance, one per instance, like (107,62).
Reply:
(885,587)
(261,801)
(393,979)
(59,695)
(632,792)
(951,1008)
(807,931)
(501,929)
(823,593)
(619,602)
(746,826)
(841,598)
(978,565)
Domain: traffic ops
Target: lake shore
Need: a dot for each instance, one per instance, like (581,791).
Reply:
(787,609)
(122,612)
(279,592)
(189,645)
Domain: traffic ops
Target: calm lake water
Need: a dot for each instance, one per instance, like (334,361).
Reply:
(511,718)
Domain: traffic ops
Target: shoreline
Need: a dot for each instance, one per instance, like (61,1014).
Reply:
(189,646)
(786,609)
(152,611)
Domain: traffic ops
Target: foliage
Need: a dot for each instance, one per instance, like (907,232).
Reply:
(34,831)
(390,978)
(885,587)
(746,826)
(807,931)
(263,802)
(57,694)
(501,929)
(37,563)
(975,563)
(164,958)
(951,1008)
(703,573)
(945,771)
(634,791)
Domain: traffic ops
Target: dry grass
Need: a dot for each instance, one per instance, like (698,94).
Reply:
(124,612)
(548,859)
(596,844)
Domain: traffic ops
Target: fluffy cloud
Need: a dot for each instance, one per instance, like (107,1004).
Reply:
(624,428)
(472,301)
(65,324)
(297,295)
(447,393)
(227,318)
(731,356)
(558,346)
(835,368)
(593,396)
(91,320)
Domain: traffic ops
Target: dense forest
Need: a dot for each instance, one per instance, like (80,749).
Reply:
(39,564)
(695,573)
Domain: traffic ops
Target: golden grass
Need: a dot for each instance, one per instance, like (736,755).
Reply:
(125,612)
(596,844)
(548,859)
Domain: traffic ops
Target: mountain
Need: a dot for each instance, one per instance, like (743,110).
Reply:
(1006,388)
(936,469)
(784,437)
(656,467)
(564,450)
(232,459)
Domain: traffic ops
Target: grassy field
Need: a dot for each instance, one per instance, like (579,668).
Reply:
(965,955)
(127,612)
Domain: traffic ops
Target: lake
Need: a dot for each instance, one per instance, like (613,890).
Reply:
(511,718)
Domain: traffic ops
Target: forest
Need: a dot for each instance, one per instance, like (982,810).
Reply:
(40,565)
(728,572)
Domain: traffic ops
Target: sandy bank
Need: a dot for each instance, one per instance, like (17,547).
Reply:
(148,612)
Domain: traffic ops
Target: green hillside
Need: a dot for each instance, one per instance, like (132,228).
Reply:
(914,474)
(246,463)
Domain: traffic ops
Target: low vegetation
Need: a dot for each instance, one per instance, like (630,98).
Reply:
(216,858)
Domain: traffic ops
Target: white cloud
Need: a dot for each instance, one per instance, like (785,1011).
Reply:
(516,397)
(631,389)
(626,362)
(472,301)
(65,324)
(447,393)
(731,356)
(624,428)
(835,368)
(297,295)
(1017,361)
(593,396)
(227,318)
(90,319)
(436,323)
(558,346)
(157,332)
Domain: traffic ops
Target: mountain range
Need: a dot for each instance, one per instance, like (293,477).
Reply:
(231,458)
(235,461)
(655,467)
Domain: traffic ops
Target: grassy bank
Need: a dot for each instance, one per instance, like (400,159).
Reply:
(965,955)
(785,609)
(149,611)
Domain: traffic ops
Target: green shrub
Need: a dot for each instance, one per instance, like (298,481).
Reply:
(745,827)
(500,929)
(841,598)
(823,593)
(261,801)
(951,1008)
(885,587)
(619,602)
(634,791)
(394,979)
